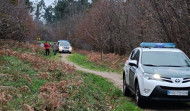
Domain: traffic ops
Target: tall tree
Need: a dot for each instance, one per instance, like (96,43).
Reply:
(15,21)
(49,14)
(39,8)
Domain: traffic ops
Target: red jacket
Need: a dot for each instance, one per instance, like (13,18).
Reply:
(46,46)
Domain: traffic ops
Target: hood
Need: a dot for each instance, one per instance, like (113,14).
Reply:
(170,72)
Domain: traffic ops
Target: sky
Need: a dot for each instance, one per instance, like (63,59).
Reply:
(49,2)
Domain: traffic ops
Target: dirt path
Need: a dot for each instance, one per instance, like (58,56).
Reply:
(113,77)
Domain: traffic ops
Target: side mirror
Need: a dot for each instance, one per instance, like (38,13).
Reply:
(133,63)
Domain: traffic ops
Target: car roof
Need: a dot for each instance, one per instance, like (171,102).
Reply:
(63,41)
(160,49)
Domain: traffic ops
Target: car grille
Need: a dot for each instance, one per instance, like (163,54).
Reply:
(175,88)
(185,80)
(167,79)
(66,47)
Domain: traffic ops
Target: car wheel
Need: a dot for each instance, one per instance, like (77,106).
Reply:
(138,98)
(126,91)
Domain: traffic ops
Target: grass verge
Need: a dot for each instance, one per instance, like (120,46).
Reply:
(96,93)
(90,93)
(19,74)
(28,88)
(82,60)
(51,55)
(40,52)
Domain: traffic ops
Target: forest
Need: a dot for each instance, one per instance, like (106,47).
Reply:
(108,26)
(102,33)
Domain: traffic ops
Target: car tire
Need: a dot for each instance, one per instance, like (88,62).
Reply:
(140,102)
(126,91)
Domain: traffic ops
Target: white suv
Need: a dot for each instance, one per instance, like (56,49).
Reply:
(157,71)
(64,46)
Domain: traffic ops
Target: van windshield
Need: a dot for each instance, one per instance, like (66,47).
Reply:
(165,59)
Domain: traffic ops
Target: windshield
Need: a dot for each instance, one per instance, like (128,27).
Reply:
(64,44)
(173,59)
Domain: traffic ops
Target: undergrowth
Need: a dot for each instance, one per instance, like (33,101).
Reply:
(96,93)
(30,81)
(83,60)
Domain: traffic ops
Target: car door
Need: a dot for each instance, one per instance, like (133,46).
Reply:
(132,70)
(127,66)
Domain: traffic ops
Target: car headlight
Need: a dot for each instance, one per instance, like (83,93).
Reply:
(70,48)
(60,47)
(152,76)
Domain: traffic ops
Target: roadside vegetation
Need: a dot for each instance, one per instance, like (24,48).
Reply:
(82,60)
(31,81)
(97,92)
(92,60)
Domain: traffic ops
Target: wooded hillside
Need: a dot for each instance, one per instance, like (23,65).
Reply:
(110,26)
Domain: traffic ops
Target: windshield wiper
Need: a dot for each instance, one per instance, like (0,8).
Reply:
(161,65)
(150,65)
(169,66)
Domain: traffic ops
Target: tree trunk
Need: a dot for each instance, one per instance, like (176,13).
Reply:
(102,52)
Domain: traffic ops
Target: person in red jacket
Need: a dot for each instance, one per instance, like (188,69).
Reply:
(46,46)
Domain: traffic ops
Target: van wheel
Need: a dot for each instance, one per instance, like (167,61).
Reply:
(138,98)
(126,91)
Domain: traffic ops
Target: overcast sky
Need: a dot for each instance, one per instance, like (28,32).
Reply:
(49,2)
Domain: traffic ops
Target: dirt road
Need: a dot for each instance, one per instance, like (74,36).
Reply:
(113,77)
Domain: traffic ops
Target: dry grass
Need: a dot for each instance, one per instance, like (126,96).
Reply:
(52,85)
(112,60)
(53,93)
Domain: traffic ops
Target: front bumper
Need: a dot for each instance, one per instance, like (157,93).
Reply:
(147,87)
(65,50)
(160,93)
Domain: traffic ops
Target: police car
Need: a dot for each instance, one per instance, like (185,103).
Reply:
(64,46)
(157,71)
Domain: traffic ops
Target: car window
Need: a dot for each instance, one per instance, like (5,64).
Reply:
(136,56)
(133,55)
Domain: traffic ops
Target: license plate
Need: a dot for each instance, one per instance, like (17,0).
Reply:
(177,93)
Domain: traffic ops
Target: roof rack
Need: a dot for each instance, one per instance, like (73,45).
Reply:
(157,45)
